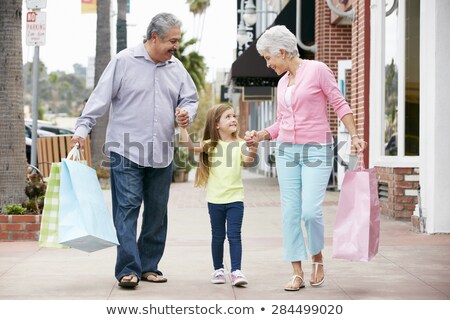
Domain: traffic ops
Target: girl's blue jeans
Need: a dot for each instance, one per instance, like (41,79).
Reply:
(226,220)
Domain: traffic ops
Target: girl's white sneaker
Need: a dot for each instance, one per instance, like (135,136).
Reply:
(238,278)
(218,276)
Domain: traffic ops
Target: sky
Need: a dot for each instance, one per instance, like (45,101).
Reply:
(70,36)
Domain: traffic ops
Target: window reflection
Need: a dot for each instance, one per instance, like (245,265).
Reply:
(412,77)
(391,81)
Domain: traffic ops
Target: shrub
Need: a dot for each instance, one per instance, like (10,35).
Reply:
(15,209)
(35,191)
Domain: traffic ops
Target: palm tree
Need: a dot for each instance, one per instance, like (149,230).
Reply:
(121,27)
(196,67)
(102,58)
(193,62)
(12,139)
(198,8)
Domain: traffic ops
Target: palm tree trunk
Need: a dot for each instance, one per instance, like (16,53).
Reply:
(12,139)
(121,28)
(102,58)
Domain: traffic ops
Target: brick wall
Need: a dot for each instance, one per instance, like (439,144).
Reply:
(334,43)
(17,227)
(398,191)
(360,77)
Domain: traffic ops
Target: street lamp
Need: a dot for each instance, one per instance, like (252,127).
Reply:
(242,36)
(248,18)
(249,15)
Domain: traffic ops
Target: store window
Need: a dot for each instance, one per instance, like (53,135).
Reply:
(402,78)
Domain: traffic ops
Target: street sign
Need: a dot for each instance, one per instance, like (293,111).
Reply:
(36,4)
(36,28)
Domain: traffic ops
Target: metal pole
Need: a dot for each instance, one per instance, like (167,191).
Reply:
(34,107)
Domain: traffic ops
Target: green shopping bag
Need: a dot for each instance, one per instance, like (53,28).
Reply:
(48,236)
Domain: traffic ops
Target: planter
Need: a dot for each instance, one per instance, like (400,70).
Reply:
(20,227)
(180,175)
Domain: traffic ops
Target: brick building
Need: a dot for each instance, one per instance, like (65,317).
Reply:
(389,57)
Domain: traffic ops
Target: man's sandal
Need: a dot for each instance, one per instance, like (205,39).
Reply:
(292,285)
(128,281)
(153,277)
(316,269)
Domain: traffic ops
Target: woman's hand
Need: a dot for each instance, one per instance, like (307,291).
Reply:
(359,144)
(251,138)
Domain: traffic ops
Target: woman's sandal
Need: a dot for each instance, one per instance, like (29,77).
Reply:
(128,281)
(316,269)
(292,286)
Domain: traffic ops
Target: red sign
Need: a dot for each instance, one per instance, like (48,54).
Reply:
(31,17)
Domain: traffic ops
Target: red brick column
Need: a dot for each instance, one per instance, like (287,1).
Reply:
(398,191)
(334,43)
(19,227)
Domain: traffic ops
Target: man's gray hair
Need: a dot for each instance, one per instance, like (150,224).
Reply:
(276,38)
(161,24)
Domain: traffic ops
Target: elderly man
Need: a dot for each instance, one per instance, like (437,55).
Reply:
(142,87)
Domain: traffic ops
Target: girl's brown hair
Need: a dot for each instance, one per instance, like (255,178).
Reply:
(211,133)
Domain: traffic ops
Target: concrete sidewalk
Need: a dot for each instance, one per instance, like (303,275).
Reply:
(408,265)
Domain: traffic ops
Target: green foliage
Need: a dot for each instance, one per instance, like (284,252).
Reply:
(182,159)
(15,209)
(193,62)
(59,92)
(198,6)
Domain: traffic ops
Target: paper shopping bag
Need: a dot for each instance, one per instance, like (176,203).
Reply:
(85,222)
(357,227)
(48,236)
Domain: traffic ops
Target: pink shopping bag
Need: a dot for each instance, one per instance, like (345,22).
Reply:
(356,232)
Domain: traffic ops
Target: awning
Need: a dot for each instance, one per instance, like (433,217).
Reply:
(250,68)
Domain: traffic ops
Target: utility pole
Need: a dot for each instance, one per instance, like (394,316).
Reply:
(36,30)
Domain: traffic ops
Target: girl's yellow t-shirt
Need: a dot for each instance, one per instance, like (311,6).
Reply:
(225,174)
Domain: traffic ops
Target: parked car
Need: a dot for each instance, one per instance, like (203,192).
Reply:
(48,126)
(29,141)
(56,130)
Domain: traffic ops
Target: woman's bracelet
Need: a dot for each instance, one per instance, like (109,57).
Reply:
(354,135)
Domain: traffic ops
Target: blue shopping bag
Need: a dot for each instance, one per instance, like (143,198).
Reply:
(85,222)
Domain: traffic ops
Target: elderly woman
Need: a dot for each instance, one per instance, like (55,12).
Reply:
(304,148)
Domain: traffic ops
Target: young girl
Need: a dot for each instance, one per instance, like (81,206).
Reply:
(222,155)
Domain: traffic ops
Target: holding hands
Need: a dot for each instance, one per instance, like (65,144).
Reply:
(182,117)
(253,137)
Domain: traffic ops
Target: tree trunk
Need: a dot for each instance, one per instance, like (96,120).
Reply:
(12,138)
(121,28)
(102,58)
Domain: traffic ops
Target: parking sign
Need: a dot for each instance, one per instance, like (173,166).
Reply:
(36,28)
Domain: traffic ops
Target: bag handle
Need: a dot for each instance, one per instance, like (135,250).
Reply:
(75,153)
(360,161)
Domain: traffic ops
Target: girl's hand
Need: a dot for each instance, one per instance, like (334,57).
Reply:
(251,138)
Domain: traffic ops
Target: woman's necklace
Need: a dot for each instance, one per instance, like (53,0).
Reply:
(292,75)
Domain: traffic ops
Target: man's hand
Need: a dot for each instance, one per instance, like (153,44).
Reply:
(182,117)
(79,140)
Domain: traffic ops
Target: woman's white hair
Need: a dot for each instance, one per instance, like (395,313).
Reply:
(276,38)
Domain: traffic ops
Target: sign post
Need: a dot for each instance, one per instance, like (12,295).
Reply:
(35,36)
